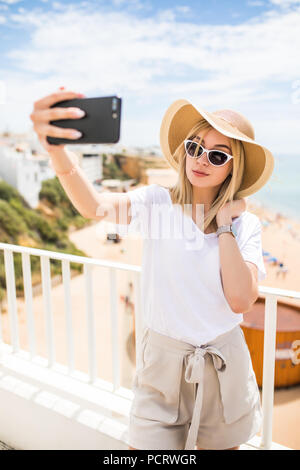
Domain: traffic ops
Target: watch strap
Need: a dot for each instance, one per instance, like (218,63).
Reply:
(224,229)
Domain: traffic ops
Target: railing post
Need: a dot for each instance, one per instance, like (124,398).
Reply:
(69,324)
(11,298)
(46,283)
(268,370)
(28,303)
(139,321)
(114,329)
(90,322)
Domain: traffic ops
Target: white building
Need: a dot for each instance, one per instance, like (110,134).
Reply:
(91,161)
(24,172)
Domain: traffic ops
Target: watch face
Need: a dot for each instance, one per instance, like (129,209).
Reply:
(234,230)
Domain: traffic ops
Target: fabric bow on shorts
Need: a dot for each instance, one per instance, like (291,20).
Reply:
(194,373)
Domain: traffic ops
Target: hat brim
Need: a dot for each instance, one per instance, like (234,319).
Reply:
(181,116)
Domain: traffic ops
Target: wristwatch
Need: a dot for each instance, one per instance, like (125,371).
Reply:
(227,228)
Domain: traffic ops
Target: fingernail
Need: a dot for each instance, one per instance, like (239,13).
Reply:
(76,134)
(81,95)
(79,112)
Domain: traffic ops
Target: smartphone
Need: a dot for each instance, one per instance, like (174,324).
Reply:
(100,125)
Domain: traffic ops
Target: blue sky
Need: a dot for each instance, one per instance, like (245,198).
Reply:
(242,55)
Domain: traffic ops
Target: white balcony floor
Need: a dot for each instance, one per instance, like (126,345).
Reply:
(248,446)
(84,415)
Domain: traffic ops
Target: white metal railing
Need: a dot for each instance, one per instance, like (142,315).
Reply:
(271,296)
(66,259)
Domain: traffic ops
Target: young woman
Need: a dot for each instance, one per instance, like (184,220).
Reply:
(196,384)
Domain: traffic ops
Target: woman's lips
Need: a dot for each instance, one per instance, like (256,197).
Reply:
(198,173)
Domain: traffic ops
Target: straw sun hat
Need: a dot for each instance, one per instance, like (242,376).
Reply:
(181,116)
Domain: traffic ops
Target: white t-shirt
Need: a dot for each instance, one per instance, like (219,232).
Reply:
(182,294)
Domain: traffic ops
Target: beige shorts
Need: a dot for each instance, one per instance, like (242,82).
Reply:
(186,395)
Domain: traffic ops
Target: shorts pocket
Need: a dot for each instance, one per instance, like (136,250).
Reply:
(238,385)
(142,352)
(158,383)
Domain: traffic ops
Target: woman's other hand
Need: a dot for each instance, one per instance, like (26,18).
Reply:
(231,210)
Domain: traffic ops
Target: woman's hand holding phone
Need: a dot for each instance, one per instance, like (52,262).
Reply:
(43,113)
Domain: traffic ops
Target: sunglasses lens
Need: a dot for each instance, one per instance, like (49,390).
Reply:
(217,158)
(191,149)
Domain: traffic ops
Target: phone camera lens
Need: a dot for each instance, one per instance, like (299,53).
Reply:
(114,104)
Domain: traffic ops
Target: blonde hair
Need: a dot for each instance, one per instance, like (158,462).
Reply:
(181,193)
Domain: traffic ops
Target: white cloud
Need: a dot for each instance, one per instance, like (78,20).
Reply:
(157,60)
(2,19)
(144,50)
(58,5)
(10,2)
(183,9)
(285,3)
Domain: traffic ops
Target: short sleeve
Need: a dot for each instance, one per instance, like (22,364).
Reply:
(251,248)
(141,200)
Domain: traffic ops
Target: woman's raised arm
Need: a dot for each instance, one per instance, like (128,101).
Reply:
(89,203)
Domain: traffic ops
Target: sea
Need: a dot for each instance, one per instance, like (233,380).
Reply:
(281,193)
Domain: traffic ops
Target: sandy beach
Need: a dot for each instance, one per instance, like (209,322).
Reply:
(280,238)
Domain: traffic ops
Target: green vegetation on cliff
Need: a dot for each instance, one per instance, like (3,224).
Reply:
(45,228)
(112,168)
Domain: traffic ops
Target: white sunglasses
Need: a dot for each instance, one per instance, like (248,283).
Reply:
(215,157)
